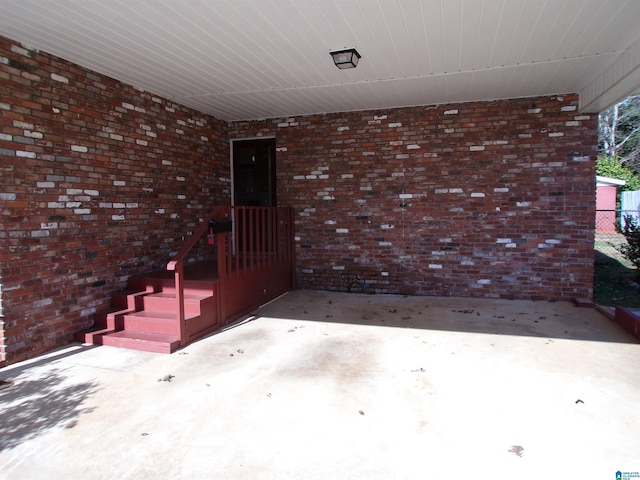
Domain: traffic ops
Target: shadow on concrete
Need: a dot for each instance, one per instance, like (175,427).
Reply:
(557,320)
(30,406)
(70,350)
(614,282)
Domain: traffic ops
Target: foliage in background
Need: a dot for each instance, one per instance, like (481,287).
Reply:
(631,250)
(612,167)
(619,132)
(615,279)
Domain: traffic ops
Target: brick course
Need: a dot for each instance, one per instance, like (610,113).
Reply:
(101,181)
(486,199)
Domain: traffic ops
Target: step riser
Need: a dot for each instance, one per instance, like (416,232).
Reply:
(156,304)
(168,285)
(115,320)
(136,344)
(201,291)
(150,324)
(138,316)
(132,301)
(94,338)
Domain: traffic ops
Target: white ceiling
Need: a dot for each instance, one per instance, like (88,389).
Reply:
(251,59)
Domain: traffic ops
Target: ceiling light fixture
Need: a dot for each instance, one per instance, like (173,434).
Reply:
(347,58)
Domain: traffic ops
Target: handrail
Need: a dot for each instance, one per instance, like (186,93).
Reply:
(196,235)
(177,264)
(263,238)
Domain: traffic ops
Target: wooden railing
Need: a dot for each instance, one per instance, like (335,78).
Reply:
(261,238)
(177,264)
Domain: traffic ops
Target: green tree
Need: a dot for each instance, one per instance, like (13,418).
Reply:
(613,167)
(619,132)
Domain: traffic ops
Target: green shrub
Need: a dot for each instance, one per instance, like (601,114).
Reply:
(631,232)
(614,168)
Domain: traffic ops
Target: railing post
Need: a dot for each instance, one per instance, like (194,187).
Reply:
(179,280)
(291,231)
(263,238)
(223,271)
(177,265)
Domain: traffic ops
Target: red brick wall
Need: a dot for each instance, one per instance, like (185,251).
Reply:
(491,199)
(98,181)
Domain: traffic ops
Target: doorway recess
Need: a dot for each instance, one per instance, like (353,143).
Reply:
(254,172)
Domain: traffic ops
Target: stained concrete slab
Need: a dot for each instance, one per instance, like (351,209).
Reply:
(321,385)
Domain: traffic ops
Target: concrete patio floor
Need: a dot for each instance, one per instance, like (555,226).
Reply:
(321,385)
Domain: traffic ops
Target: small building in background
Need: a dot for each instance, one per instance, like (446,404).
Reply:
(606,193)
(630,206)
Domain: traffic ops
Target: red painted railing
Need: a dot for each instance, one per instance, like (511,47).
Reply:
(177,264)
(261,238)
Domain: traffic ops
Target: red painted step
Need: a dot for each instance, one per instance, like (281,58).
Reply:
(148,341)
(217,284)
(166,302)
(145,316)
(154,321)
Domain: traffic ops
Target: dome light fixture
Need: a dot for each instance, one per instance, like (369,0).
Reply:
(347,58)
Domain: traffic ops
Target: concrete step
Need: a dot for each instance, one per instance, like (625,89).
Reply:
(140,340)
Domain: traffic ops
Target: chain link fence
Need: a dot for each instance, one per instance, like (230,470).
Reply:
(609,224)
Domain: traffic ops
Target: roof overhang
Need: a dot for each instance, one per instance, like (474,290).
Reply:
(609,182)
(618,81)
(251,59)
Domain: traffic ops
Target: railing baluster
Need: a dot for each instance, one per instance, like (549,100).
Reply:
(273,231)
(259,232)
(179,284)
(263,238)
(251,237)
(235,242)
(263,234)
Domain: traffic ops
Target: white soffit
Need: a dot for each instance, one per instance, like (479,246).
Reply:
(609,182)
(251,59)
(617,82)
